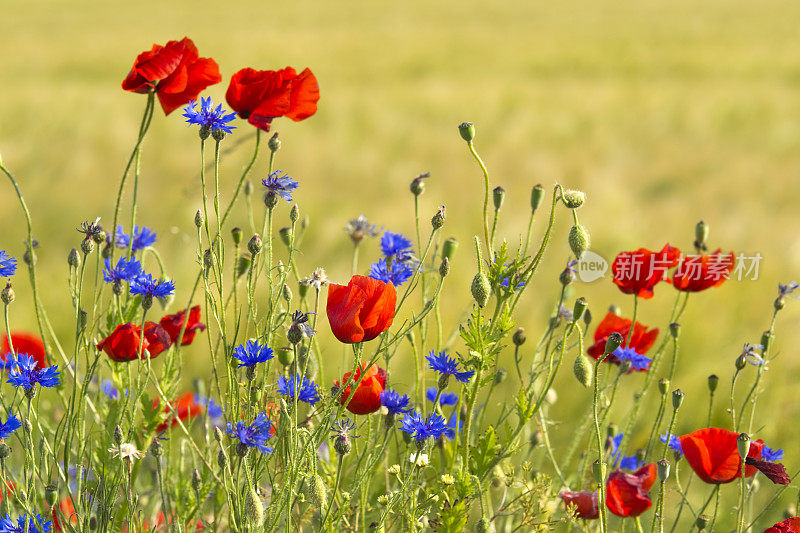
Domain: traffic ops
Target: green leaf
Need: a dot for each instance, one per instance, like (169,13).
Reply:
(484,452)
(452,518)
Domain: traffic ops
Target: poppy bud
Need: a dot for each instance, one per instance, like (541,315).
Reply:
(217,434)
(236,233)
(319,496)
(253,508)
(467,131)
(274,143)
(537,195)
(7,295)
(611,430)
(587,317)
(449,248)
(5,450)
(50,494)
(73,259)
(579,240)
(579,308)
(484,526)
(743,444)
(573,199)
(583,370)
(417,185)
(519,337)
(222,459)
(498,195)
(270,199)
(614,341)
(196,481)
(766,340)
(87,246)
(713,381)
(199,219)
(255,244)
(599,471)
(444,267)
(500,376)
(662,468)
(302,290)
(677,399)
(218,135)
(663,386)
(701,235)
(481,289)
(286,236)
(287,293)
(117,436)
(242,265)
(285,356)
(438,219)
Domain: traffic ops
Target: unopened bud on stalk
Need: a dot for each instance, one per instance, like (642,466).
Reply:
(583,370)
(701,235)
(481,289)
(274,143)
(587,317)
(342,444)
(573,199)
(87,246)
(5,451)
(156,448)
(579,308)
(286,236)
(222,459)
(449,248)
(500,376)
(319,496)
(567,276)
(740,362)
(537,195)
(625,366)
(199,219)
(196,481)
(444,267)
(484,525)
(255,244)
(663,386)
(294,213)
(236,233)
(7,295)
(599,471)
(713,381)
(417,185)
(285,356)
(614,341)
(498,196)
(579,240)
(248,188)
(611,429)
(73,259)
(270,199)
(253,508)
(286,293)
(766,341)
(208,259)
(702,522)
(467,131)
(438,219)
(662,467)
(83,318)
(218,434)
(117,436)
(677,399)
(242,265)
(519,337)
(743,445)
(294,335)
(51,494)
(218,135)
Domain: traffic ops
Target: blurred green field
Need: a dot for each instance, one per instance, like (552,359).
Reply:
(665,113)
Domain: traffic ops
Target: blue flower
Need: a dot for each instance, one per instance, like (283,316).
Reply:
(638,361)
(674,443)
(393,244)
(309,392)
(36,524)
(280,185)
(394,402)
(420,428)
(253,435)
(147,285)
(214,410)
(615,443)
(400,272)
(770,455)
(751,355)
(8,264)
(630,462)
(251,353)
(24,373)
(448,366)
(450,432)
(446,398)
(789,288)
(208,116)
(108,388)
(9,426)
(126,270)
(300,319)
(143,237)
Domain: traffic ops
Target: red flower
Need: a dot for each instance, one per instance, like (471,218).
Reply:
(66,509)
(360,310)
(700,272)
(627,494)
(714,457)
(790,525)
(25,343)
(639,271)
(173,324)
(262,95)
(585,502)
(185,407)
(367,397)
(123,343)
(641,340)
(157,338)
(174,71)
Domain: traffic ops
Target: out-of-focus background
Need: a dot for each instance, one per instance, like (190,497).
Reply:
(663,112)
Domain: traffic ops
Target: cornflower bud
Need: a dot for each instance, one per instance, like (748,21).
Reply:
(236,233)
(118,436)
(438,219)
(156,448)
(449,248)
(740,362)
(196,481)
(248,188)
(294,335)
(535,438)
(587,317)
(467,131)
(274,143)
(106,253)
(579,240)
(481,289)
(519,337)
(7,295)
(417,185)
(204,132)
(287,293)
(573,199)
(255,244)
(270,199)
(87,246)
(73,259)
(217,434)
(218,135)
(444,267)
(498,196)
(199,219)
(222,459)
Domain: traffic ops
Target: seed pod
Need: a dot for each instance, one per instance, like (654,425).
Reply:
(449,248)
(7,295)
(663,386)
(537,195)
(743,444)
(498,196)
(662,467)
(713,381)
(51,494)
(579,240)
(599,471)
(467,131)
(702,522)
(579,308)
(573,199)
(701,235)
(675,330)
(677,399)
(583,370)
(614,341)
(285,356)
(481,289)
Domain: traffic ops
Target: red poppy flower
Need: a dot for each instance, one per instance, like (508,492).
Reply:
(367,397)
(700,272)
(585,503)
(790,525)
(360,310)
(641,340)
(186,408)
(639,271)
(713,455)
(627,494)
(66,509)
(123,343)
(262,95)
(157,338)
(173,324)
(174,71)
(25,343)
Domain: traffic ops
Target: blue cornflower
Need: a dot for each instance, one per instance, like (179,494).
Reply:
(214,410)
(251,353)
(12,424)
(24,373)
(393,244)
(143,237)
(638,361)
(400,272)
(300,319)
(420,428)
(448,366)
(751,355)
(394,402)
(208,116)
(280,185)
(147,285)
(25,524)
(126,270)
(446,398)
(630,462)
(309,391)
(615,443)
(789,288)
(674,443)
(108,388)
(770,455)
(450,432)
(253,435)
(8,264)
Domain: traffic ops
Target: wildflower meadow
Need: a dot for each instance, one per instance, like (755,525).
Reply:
(231,385)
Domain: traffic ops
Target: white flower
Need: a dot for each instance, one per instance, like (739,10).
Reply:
(394,469)
(317,279)
(127,451)
(421,459)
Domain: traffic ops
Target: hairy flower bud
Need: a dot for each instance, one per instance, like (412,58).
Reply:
(73,259)
(438,219)
(236,234)
(87,246)
(662,467)
(196,481)
(583,370)
(118,436)
(274,144)
(204,132)
(156,448)
(573,199)
(579,240)
(294,335)
(253,508)
(319,496)
(579,308)
(519,337)
(199,219)
(498,196)
(255,244)
(286,236)
(7,295)
(614,341)
(444,267)
(537,195)
(449,248)
(342,444)
(467,131)
(481,289)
